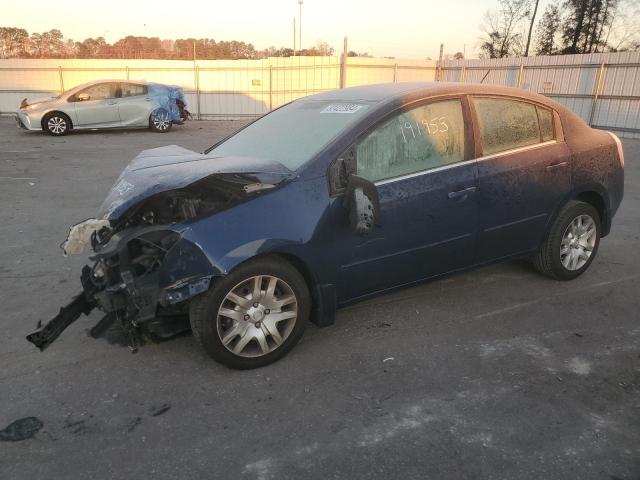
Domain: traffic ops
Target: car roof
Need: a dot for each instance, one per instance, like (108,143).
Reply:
(106,80)
(387,92)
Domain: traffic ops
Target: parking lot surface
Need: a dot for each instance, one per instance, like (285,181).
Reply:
(498,373)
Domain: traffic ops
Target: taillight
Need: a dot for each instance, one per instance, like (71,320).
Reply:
(619,144)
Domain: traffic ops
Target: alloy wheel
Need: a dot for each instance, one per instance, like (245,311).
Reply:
(578,242)
(161,122)
(57,125)
(257,316)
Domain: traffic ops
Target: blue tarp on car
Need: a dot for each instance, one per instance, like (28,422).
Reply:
(164,97)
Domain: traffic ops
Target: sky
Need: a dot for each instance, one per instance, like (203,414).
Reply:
(398,28)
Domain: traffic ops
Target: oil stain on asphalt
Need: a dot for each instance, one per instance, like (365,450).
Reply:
(21,429)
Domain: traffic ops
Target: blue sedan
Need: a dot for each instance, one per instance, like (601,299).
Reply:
(338,197)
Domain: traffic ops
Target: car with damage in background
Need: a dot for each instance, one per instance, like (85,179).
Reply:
(338,197)
(106,104)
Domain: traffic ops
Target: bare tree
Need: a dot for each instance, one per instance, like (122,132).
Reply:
(13,42)
(503,37)
(623,33)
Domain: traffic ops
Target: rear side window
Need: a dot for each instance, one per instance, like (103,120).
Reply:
(423,138)
(133,89)
(506,124)
(546,124)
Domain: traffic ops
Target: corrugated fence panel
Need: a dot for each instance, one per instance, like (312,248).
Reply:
(247,88)
(572,80)
(214,88)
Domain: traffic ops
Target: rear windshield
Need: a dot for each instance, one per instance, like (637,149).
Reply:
(293,134)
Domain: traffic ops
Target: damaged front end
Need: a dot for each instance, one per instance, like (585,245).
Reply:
(144,270)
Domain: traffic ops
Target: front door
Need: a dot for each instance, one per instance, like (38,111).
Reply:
(523,175)
(427,186)
(97,106)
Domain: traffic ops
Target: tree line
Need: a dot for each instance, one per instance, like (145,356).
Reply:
(565,27)
(18,43)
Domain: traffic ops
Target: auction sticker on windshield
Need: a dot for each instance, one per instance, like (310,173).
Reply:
(342,108)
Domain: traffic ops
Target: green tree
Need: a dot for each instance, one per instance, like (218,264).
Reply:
(547,31)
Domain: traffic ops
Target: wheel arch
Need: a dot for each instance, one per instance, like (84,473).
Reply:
(594,196)
(323,297)
(597,201)
(59,112)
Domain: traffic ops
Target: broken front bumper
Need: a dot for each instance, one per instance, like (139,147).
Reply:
(139,275)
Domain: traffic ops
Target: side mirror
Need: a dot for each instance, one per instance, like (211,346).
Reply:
(363,204)
(83,97)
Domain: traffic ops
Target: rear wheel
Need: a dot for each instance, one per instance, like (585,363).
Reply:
(254,315)
(56,124)
(572,242)
(160,122)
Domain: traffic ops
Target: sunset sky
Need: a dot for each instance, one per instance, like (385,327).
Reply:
(400,28)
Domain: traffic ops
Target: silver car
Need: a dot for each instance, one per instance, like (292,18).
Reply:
(106,104)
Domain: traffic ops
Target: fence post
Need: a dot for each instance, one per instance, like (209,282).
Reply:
(126,71)
(343,65)
(270,87)
(463,71)
(520,75)
(395,73)
(61,79)
(196,73)
(597,91)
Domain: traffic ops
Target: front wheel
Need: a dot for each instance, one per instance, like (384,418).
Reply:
(56,124)
(572,242)
(254,315)
(160,122)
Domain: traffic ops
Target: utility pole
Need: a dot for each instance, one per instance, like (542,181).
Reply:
(439,70)
(294,36)
(533,18)
(343,63)
(300,26)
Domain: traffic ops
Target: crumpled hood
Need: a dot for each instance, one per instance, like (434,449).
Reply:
(172,167)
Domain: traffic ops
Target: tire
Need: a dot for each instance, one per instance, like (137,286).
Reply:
(562,254)
(160,122)
(234,338)
(56,124)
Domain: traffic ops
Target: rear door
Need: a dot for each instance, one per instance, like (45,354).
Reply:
(523,173)
(420,162)
(100,109)
(134,105)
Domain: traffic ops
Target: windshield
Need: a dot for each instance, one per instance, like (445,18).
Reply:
(294,133)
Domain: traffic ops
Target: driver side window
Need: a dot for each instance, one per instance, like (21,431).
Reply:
(102,91)
(419,139)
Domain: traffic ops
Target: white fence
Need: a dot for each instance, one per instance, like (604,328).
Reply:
(602,88)
(214,88)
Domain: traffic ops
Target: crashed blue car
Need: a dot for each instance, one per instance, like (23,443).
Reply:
(335,198)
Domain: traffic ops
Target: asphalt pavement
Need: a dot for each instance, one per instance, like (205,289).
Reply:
(495,374)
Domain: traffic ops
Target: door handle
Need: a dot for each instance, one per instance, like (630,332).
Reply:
(461,193)
(556,165)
